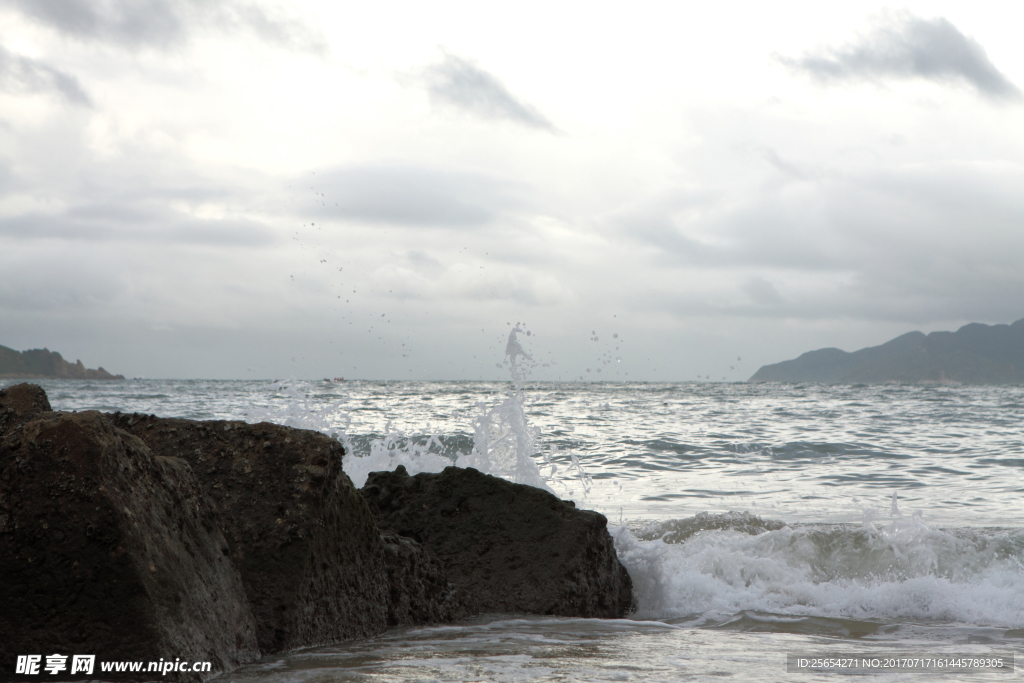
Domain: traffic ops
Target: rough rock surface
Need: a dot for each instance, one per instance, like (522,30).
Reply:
(420,592)
(109,550)
(20,403)
(310,555)
(508,547)
(135,537)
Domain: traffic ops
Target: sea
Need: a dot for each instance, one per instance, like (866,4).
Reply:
(773,532)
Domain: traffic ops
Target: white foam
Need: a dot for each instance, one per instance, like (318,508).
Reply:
(504,445)
(297,407)
(905,571)
(394,449)
(504,442)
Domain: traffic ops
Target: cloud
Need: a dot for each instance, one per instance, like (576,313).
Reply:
(914,243)
(161,24)
(410,195)
(910,47)
(460,83)
(20,74)
(134,223)
(56,282)
(762,291)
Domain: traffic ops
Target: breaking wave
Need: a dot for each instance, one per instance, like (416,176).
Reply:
(709,569)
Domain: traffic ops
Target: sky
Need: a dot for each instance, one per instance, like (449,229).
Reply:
(662,191)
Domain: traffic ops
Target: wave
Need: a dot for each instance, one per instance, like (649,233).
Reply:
(711,569)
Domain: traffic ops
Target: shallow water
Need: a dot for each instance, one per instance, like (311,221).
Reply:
(755,520)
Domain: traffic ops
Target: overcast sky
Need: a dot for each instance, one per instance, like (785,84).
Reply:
(251,189)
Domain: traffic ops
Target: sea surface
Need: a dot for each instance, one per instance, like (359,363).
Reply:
(756,520)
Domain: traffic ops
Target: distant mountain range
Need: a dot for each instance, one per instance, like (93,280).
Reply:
(974,354)
(45,364)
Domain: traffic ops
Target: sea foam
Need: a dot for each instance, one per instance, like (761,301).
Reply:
(903,571)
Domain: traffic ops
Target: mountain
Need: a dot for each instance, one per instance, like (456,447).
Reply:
(43,364)
(974,354)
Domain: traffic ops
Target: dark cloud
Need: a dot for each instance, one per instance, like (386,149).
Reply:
(20,74)
(910,47)
(409,195)
(762,291)
(138,223)
(161,24)
(460,83)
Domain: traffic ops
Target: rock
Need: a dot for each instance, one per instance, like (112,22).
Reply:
(20,403)
(420,592)
(108,549)
(134,538)
(309,552)
(508,547)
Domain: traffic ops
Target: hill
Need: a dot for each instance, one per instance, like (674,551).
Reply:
(974,354)
(45,364)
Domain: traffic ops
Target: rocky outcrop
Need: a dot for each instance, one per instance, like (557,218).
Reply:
(108,549)
(20,403)
(134,537)
(43,363)
(509,547)
(310,555)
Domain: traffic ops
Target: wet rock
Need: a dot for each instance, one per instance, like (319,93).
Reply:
(20,403)
(310,555)
(508,547)
(108,549)
(420,592)
(135,537)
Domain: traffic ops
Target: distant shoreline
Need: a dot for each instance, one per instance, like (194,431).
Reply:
(976,354)
(45,364)
(105,379)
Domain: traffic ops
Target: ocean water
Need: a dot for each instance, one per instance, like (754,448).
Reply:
(756,520)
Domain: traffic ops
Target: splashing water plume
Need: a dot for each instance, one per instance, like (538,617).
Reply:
(504,441)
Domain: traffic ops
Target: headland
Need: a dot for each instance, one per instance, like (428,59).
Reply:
(974,354)
(45,364)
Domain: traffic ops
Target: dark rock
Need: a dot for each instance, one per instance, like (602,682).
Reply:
(420,592)
(107,549)
(309,552)
(134,538)
(20,403)
(508,547)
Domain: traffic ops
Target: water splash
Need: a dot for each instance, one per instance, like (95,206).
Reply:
(296,406)
(512,351)
(414,452)
(712,567)
(504,443)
